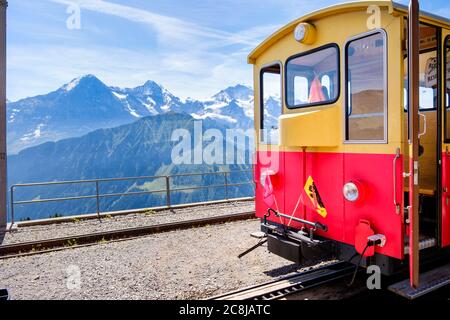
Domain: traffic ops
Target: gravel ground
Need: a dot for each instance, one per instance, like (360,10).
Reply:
(34,233)
(186,264)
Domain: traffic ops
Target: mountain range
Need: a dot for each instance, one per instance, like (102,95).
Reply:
(142,148)
(86,104)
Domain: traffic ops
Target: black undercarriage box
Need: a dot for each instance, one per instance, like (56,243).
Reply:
(284,248)
(299,252)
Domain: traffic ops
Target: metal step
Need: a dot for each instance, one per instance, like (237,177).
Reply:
(429,282)
(424,243)
(4,295)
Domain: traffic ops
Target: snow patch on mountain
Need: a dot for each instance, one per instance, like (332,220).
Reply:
(214,105)
(12,115)
(72,84)
(150,105)
(36,134)
(120,96)
(247,105)
(210,115)
(131,110)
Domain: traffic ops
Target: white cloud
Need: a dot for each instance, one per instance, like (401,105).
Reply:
(192,74)
(167,27)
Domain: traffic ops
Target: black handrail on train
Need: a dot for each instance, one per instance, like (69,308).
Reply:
(167,190)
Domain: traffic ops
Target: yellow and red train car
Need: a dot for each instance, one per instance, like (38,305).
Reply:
(332,166)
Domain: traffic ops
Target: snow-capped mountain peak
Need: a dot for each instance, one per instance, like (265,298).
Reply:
(148,88)
(86,80)
(238,92)
(72,84)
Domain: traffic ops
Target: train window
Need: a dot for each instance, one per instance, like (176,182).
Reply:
(447,89)
(270,103)
(312,78)
(427,99)
(428,82)
(366,88)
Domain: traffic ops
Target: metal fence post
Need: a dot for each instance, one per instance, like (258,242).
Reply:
(226,185)
(12,205)
(168,202)
(97,193)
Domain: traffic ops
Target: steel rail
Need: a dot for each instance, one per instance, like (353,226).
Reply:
(37,184)
(211,186)
(69,242)
(291,284)
(53,183)
(210,173)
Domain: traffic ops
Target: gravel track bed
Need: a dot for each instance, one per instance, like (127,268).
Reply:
(35,233)
(185,264)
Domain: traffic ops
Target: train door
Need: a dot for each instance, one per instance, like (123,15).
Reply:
(429,136)
(429,96)
(445,221)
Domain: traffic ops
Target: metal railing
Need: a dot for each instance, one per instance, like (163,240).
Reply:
(168,190)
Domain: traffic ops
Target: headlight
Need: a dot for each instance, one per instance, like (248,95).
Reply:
(305,33)
(351,192)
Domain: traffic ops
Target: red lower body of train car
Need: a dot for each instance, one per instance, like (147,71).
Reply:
(379,209)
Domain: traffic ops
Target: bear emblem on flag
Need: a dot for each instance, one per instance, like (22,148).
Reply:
(311,198)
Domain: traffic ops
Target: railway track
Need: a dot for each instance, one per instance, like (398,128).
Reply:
(76,241)
(291,284)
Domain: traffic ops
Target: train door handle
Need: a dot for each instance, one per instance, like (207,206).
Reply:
(445,194)
(424,132)
(396,203)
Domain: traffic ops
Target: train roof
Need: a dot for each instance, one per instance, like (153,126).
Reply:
(392,6)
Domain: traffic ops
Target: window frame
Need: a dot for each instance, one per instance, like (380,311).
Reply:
(261,96)
(446,60)
(421,52)
(385,85)
(338,76)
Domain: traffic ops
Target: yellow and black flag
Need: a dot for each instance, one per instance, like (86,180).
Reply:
(311,198)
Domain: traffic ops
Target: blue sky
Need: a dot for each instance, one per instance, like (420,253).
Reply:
(193,48)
